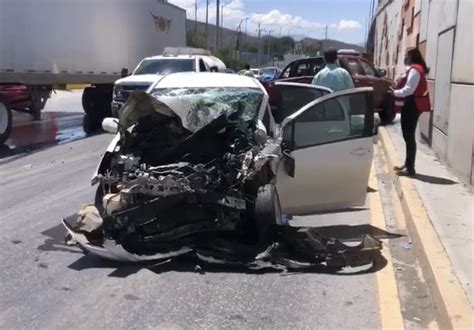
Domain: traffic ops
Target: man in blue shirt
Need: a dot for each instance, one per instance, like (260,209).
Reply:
(333,76)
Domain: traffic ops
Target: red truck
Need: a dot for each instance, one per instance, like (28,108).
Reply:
(31,99)
(363,74)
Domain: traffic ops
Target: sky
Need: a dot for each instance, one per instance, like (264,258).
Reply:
(346,19)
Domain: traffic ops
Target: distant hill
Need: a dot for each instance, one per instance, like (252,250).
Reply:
(250,42)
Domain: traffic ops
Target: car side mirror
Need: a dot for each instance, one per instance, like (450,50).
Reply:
(124,73)
(110,125)
(382,72)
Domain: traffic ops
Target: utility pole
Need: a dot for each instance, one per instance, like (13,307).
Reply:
(207,23)
(222,25)
(245,38)
(325,37)
(259,60)
(195,19)
(269,43)
(217,23)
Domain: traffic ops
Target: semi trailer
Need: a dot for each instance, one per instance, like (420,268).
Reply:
(46,43)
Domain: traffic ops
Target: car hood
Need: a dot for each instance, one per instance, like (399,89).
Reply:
(140,79)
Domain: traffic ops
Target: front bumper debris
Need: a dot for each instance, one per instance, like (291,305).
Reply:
(283,247)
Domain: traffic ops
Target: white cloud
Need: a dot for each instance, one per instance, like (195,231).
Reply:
(348,25)
(275,20)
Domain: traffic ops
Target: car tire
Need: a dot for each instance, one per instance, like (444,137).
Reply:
(267,206)
(5,121)
(387,114)
(90,123)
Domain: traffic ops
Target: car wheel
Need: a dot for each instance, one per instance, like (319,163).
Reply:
(267,206)
(387,114)
(5,121)
(90,123)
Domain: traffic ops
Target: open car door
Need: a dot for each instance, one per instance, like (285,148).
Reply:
(290,97)
(328,151)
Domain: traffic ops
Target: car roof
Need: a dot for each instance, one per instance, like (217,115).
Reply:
(206,79)
(171,57)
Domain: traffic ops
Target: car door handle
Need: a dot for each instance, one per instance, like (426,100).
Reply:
(359,152)
(334,131)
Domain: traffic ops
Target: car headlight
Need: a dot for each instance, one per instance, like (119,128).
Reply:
(117,93)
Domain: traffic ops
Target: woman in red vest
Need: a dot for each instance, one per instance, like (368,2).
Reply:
(416,100)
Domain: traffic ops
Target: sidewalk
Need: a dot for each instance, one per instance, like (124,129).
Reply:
(449,204)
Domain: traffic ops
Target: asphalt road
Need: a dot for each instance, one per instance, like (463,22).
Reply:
(45,284)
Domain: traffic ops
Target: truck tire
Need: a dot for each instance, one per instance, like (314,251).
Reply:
(88,98)
(5,121)
(91,123)
(39,96)
(267,207)
(387,113)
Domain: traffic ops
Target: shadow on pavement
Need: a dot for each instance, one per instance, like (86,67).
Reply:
(55,240)
(431,179)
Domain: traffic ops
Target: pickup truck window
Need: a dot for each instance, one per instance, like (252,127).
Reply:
(165,66)
(286,72)
(369,70)
(354,66)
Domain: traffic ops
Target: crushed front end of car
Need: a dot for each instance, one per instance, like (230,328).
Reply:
(191,174)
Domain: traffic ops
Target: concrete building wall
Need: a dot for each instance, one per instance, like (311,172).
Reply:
(444,32)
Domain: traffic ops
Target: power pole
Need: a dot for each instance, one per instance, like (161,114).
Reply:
(222,25)
(217,23)
(259,60)
(269,43)
(325,37)
(195,20)
(207,23)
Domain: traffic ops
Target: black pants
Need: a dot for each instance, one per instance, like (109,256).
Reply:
(410,115)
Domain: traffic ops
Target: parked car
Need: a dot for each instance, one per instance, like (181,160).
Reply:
(151,68)
(362,72)
(270,74)
(257,73)
(199,165)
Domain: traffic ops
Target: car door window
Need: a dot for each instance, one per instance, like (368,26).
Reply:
(292,97)
(335,119)
(369,70)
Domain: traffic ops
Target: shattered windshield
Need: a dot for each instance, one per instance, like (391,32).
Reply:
(197,107)
(165,66)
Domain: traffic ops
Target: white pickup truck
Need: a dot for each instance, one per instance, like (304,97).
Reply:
(150,69)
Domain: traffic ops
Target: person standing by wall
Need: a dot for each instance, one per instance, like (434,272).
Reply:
(333,76)
(415,101)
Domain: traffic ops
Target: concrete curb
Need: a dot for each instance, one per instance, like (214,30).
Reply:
(452,305)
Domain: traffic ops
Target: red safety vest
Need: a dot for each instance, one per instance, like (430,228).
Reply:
(422,96)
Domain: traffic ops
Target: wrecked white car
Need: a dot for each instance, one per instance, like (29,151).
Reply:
(199,166)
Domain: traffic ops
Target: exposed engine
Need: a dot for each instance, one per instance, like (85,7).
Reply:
(157,190)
